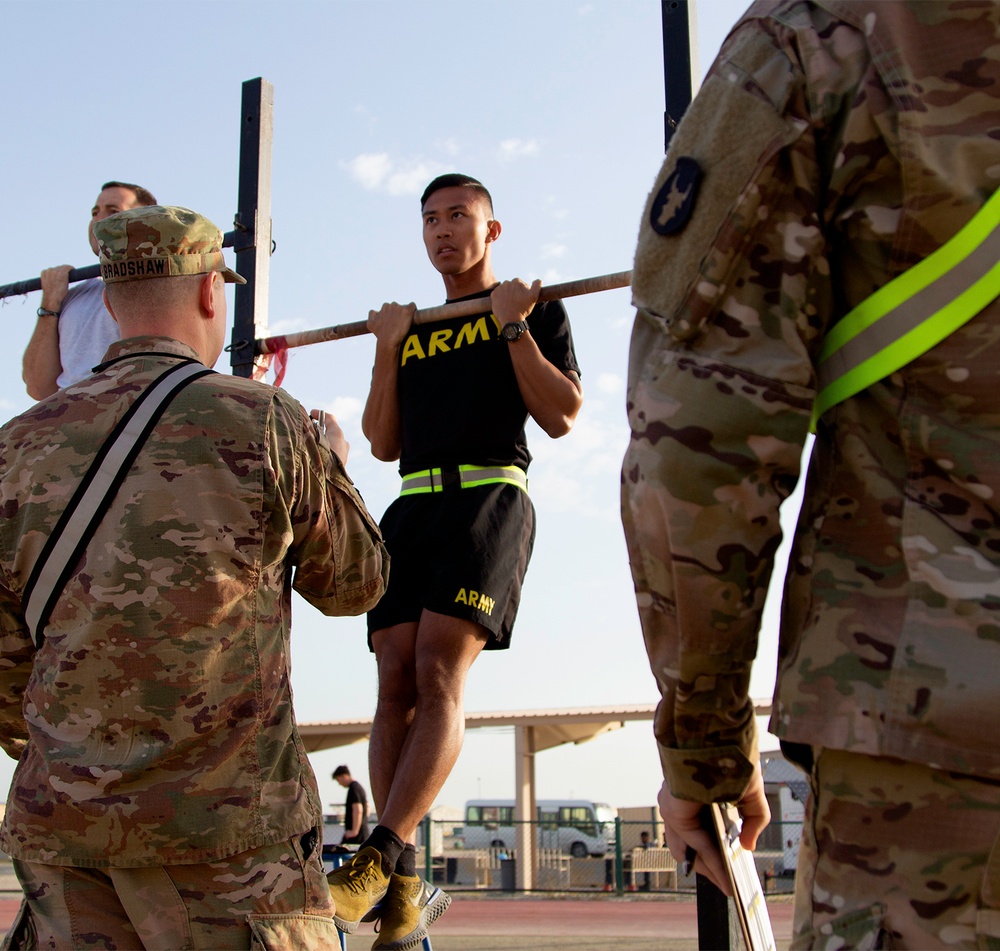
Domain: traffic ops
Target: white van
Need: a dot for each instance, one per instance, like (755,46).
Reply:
(577,827)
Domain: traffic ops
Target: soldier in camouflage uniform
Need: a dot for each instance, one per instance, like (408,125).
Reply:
(162,796)
(832,147)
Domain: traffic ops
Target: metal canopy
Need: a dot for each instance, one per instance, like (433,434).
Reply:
(551,727)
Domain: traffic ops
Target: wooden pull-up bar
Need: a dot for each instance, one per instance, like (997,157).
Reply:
(464,308)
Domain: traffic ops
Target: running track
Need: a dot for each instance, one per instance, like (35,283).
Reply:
(550,917)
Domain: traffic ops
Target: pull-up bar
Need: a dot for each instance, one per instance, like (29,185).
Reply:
(429,315)
(77,274)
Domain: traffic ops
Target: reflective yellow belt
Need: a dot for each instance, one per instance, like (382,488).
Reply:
(465,477)
(914,312)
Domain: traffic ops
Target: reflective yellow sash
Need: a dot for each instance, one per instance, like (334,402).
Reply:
(914,312)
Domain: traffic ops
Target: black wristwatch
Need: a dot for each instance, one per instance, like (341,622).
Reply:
(512,332)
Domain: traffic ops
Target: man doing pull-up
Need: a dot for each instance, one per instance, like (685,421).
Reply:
(450,401)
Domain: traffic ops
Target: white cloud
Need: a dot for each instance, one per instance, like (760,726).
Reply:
(553,250)
(412,180)
(609,383)
(377,171)
(370,170)
(287,325)
(511,149)
(345,408)
(550,206)
(580,471)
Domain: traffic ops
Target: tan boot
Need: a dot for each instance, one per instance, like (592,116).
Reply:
(356,887)
(409,908)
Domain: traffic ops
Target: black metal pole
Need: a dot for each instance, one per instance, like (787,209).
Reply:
(717,927)
(676,64)
(253,224)
(35,283)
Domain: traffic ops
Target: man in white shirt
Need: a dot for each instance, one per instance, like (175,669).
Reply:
(74,328)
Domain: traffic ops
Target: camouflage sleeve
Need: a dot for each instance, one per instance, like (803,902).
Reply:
(732,282)
(342,565)
(17,654)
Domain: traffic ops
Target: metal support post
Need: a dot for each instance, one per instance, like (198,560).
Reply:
(677,57)
(428,857)
(714,920)
(619,863)
(718,929)
(526,807)
(252,225)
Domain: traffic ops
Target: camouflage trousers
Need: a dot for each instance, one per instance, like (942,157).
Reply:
(269,898)
(897,855)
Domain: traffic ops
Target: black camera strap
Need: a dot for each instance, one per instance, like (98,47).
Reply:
(94,494)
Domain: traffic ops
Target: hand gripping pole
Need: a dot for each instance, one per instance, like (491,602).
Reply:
(465,308)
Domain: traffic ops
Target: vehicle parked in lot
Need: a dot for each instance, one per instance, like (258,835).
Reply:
(577,827)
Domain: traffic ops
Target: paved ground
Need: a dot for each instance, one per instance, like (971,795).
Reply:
(588,924)
(527,923)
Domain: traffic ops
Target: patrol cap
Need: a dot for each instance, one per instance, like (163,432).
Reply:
(160,241)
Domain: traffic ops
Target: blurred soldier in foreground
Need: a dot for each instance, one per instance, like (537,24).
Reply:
(74,327)
(790,261)
(162,797)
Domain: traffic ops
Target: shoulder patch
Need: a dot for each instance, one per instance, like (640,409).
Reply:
(674,202)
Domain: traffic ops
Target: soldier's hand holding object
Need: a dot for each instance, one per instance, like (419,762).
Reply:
(327,423)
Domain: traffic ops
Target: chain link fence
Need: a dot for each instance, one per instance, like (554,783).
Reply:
(630,862)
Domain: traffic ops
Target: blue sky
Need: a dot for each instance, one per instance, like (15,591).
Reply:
(556,105)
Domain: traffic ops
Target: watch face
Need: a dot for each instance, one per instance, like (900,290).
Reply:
(513,331)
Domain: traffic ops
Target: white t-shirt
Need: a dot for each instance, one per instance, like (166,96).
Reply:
(86,330)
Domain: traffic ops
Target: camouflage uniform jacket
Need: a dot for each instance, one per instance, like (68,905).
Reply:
(155,723)
(840,143)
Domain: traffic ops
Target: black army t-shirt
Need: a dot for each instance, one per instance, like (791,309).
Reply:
(459,399)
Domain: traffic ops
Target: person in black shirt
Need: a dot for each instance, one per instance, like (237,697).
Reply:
(355,808)
(449,400)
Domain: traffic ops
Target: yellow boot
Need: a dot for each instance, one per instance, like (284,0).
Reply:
(409,908)
(357,886)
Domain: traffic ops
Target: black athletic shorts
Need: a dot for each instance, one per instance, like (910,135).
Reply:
(462,553)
